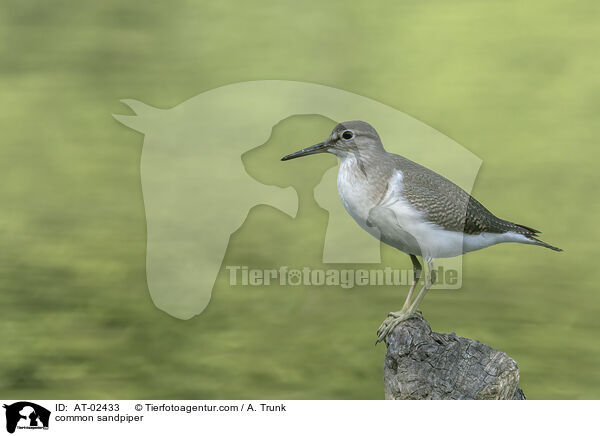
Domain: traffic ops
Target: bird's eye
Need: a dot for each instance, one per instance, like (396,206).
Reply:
(347,134)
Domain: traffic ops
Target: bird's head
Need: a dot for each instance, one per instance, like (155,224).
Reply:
(350,137)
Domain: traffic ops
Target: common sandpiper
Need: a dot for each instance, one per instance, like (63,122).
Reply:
(410,208)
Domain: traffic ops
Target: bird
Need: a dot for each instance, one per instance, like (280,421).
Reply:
(411,208)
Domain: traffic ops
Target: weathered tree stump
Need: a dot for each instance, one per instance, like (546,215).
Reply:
(425,365)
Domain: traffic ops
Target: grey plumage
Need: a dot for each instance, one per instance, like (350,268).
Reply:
(410,207)
(450,207)
(440,200)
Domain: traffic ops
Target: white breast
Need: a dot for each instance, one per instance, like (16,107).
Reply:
(355,191)
(383,215)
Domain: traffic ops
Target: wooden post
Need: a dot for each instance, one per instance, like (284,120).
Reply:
(421,364)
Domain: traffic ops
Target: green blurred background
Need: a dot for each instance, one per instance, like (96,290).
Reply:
(516,83)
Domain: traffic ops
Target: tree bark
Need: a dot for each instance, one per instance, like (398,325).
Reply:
(421,364)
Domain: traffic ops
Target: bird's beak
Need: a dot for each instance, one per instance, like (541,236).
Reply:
(321,147)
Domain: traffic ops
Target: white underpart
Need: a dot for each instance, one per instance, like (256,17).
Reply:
(397,223)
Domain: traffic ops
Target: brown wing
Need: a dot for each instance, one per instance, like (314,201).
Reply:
(447,205)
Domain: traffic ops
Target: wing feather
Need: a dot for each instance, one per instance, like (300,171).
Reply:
(447,205)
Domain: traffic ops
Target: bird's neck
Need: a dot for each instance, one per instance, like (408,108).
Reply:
(362,161)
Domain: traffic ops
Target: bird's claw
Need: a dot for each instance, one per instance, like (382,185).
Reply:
(390,323)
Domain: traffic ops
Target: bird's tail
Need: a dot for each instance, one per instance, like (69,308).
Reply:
(531,234)
(544,244)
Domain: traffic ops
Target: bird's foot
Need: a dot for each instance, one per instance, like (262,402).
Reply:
(390,323)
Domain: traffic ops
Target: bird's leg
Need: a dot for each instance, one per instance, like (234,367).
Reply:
(417,269)
(431,277)
(395,318)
